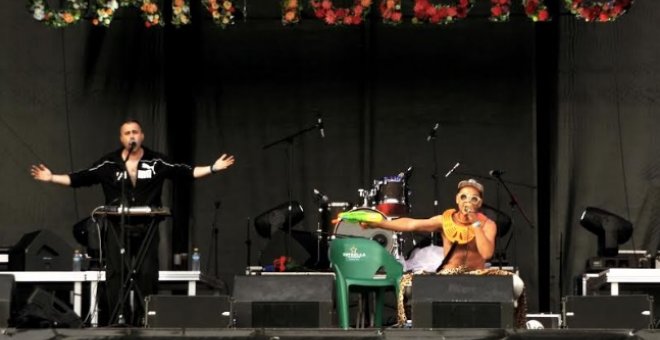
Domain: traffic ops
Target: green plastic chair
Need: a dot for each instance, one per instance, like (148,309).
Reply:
(355,262)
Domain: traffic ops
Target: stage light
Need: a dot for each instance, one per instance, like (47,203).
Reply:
(611,229)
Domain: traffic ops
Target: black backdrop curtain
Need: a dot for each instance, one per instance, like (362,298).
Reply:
(201,91)
(605,145)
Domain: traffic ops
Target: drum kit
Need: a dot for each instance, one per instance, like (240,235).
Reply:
(389,196)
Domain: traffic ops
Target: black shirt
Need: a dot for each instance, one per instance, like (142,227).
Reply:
(110,172)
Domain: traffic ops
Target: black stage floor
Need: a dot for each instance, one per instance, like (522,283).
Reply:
(328,333)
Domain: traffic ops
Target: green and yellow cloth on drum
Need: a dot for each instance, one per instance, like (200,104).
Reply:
(361,216)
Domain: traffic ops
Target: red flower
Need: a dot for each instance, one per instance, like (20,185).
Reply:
(496,11)
(420,7)
(326,4)
(330,17)
(319,13)
(544,15)
(530,8)
(396,16)
(451,11)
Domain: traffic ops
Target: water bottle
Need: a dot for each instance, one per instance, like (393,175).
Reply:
(195,266)
(77,261)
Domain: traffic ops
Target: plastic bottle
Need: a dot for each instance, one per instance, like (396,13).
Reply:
(195,262)
(77,261)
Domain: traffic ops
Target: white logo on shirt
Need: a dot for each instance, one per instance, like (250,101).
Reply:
(120,175)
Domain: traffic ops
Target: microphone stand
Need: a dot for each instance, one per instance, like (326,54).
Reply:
(123,206)
(248,244)
(217,282)
(435,237)
(289,156)
(513,202)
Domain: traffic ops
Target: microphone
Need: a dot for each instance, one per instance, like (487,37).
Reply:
(320,196)
(432,133)
(319,124)
(406,174)
(452,169)
(131,145)
(496,173)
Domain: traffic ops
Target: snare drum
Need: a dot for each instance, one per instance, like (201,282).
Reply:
(386,238)
(391,196)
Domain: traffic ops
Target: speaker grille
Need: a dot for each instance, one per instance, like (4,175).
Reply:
(285,314)
(467,315)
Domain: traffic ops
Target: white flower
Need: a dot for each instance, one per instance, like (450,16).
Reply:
(39,13)
(112,4)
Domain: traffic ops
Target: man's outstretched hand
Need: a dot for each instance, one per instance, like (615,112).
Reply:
(41,173)
(223,162)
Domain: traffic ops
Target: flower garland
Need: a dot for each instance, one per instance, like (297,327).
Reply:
(440,14)
(536,10)
(105,10)
(601,11)
(341,16)
(180,12)
(72,12)
(500,10)
(222,11)
(291,12)
(151,13)
(390,10)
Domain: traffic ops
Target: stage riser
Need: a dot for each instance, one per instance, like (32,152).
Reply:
(327,334)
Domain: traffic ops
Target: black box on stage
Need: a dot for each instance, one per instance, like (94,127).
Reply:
(41,250)
(601,311)
(284,301)
(462,301)
(188,311)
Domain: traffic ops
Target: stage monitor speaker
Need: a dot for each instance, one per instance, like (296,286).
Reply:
(462,301)
(6,292)
(602,311)
(292,301)
(188,311)
(44,310)
(41,250)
